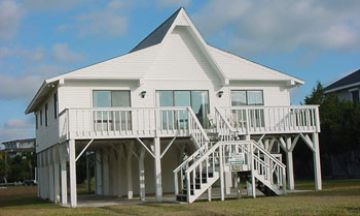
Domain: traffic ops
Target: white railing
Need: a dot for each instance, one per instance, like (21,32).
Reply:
(196,130)
(223,127)
(132,121)
(273,119)
(268,167)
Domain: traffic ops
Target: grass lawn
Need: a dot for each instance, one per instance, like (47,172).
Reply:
(339,197)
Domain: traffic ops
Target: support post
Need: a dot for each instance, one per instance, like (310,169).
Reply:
(158,180)
(63,161)
(317,166)
(289,163)
(56,174)
(142,174)
(88,185)
(129,171)
(222,185)
(72,167)
(105,169)
(50,173)
(98,173)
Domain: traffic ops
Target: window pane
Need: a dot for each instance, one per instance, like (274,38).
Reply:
(200,105)
(120,99)
(166,98)
(255,98)
(182,98)
(102,99)
(238,98)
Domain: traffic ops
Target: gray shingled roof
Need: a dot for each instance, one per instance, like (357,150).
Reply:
(345,81)
(158,34)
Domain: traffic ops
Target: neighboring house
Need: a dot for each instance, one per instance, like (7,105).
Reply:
(346,88)
(11,148)
(174,115)
(19,145)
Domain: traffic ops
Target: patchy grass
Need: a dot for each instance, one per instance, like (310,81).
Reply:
(339,197)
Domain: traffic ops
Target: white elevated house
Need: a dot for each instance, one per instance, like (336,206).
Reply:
(174,115)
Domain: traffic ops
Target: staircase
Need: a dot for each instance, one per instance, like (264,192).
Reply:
(204,167)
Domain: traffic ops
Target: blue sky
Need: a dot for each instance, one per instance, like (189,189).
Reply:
(313,40)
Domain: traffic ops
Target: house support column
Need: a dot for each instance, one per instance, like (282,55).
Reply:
(317,166)
(105,169)
(56,174)
(72,167)
(50,173)
(98,173)
(88,185)
(130,193)
(158,180)
(289,163)
(142,174)
(63,168)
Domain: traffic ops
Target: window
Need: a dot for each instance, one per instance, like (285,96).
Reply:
(198,100)
(104,98)
(105,120)
(41,114)
(46,115)
(55,105)
(247,97)
(36,121)
(355,96)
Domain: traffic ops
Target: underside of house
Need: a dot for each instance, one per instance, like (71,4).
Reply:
(173,116)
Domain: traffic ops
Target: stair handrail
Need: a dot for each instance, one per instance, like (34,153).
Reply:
(197,125)
(268,154)
(224,124)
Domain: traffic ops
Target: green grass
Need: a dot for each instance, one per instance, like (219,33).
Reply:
(339,197)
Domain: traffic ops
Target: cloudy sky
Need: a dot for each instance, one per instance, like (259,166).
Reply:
(311,39)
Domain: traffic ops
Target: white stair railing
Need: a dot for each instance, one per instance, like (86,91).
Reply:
(268,169)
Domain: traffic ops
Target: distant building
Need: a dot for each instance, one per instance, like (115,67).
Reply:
(346,88)
(11,149)
(19,145)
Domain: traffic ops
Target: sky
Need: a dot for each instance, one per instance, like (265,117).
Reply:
(310,39)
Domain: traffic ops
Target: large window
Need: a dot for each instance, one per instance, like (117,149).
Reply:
(255,117)
(247,97)
(105,98)
(198,100)
(117,120)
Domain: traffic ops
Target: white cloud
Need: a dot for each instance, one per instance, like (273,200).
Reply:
(62,53)
(107,21)
(10,15)
(51,4)
(271,26)
(17,128)
(33,55)
(24,86)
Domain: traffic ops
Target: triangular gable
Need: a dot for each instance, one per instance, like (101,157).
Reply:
(156,36)
(180,18)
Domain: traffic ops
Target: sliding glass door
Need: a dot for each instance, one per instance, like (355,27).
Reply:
(197,100)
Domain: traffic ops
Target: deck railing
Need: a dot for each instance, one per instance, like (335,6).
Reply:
(273,119)
(130,122)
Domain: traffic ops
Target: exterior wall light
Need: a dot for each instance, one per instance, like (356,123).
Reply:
(220,93)
(142,94)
